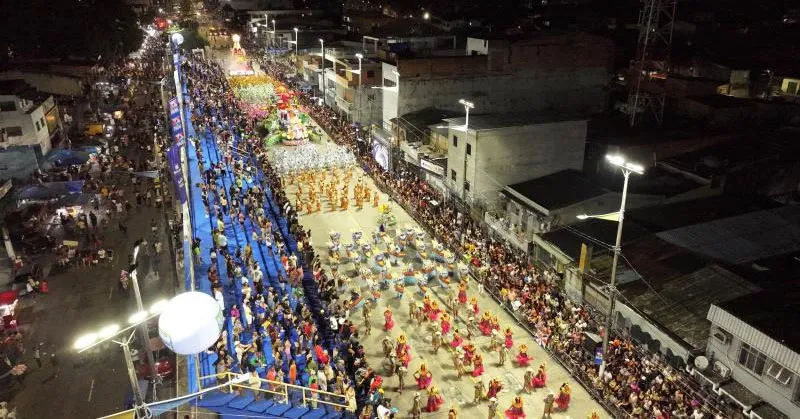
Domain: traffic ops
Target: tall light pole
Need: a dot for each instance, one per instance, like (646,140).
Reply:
(145,336)
(627,168)
(360,90)
(296,38)
(107,333)
(467,106)
(322,50)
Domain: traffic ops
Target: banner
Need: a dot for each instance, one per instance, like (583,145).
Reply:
(175,121)
(174,158)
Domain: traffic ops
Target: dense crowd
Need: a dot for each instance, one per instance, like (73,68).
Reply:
(272,334)
(635,383)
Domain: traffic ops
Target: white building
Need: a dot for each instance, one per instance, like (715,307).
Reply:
(499,150)
(26,117)
(754,343)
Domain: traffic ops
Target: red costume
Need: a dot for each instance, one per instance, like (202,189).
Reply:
(522,357)
(445,324)
(515,411)
(485,324)
(474,303)
(457,341)
(435,400)
(423,377)
(494,387)
(388,323)
(564,396)
(477,365)
(540,380)
(462,293)
(509,339)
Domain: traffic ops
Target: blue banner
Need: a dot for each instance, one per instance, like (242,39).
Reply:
(175,121)
(174,158)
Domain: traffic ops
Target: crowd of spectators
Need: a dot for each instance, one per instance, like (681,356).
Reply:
(635,383)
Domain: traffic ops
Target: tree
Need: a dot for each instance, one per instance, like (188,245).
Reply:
(87,29)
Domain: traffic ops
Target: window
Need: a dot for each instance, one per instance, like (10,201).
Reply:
(13,131)
(41,122)
(389,83)
(780,374)
(466,185)
(452,174)
(37,126)
(455,141)
(752,359)
(370,74)
(469,149)
(8,106)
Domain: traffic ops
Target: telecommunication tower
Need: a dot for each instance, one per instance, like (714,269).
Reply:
(650,68)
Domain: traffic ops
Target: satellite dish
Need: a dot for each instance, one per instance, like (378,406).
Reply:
(701,363)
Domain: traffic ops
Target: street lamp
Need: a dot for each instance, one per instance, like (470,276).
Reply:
(467,106)
(296,38)
(627,168)
(359,56)
(134,276)
(322,50)
(106,333)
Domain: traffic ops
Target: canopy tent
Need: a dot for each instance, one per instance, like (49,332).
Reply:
(48,191)
(60,157)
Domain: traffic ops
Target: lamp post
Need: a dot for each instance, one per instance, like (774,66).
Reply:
(140,306)
(467,106)
(627,168)
(360,90)
(322,50)
(296,38)
(106,334)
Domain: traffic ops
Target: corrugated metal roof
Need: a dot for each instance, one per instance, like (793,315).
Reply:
(743,238)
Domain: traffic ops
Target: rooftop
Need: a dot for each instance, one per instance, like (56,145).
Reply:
(423,118)
(773,312)
(655,181)
(508,120)
(570,238)
(558,190)
(743,238)
(680,214)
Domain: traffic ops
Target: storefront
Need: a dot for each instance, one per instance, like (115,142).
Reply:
(434,172)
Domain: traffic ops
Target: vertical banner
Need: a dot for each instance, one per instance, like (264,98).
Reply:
(175,121)
(174,158)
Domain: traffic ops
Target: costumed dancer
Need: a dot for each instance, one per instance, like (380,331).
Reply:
(462,292)
(509,339)
(515,411)
(445,324)
(473,302)
(564,395)
(540,380)
(477,365)
(423,377)
(522,357)
(388,323)
(435,400)
(485,324)
(494,388)
(457,340)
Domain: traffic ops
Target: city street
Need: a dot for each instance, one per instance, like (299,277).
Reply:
(458,392)
(83,299)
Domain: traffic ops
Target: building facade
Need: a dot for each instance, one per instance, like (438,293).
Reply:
(549,73)
(26,119)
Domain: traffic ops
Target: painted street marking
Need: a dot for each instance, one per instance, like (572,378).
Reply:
(91,390)
(110,292)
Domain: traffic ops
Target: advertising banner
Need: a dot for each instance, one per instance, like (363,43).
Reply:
(175,121)
(174,158)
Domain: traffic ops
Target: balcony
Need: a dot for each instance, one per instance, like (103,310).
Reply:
(512,234)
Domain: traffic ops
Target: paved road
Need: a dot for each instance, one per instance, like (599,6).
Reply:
(458,392)
(80,300)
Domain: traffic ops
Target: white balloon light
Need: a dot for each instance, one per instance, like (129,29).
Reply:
(177,38)
(190,323)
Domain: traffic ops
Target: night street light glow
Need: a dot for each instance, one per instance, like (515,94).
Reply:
(137,317)
(619,161)
(108,331)
(466,103)
(85,340)
(158,306)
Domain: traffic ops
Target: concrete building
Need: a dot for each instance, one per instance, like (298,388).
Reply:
(499,150)
(27,118)
(753,354)
(555,72)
